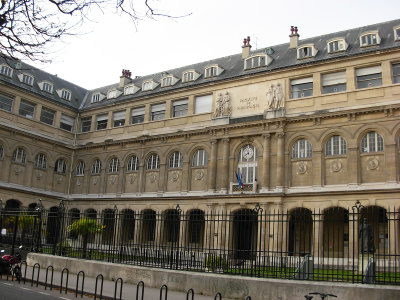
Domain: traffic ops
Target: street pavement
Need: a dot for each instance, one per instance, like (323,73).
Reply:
(129,291)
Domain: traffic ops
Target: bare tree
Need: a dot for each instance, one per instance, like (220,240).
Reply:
(29,27)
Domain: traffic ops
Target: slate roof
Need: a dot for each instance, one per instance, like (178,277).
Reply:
(233,65)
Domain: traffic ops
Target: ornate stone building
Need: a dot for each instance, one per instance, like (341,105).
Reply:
(310,124)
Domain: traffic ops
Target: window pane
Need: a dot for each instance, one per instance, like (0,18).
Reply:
(26,109)
(6,102)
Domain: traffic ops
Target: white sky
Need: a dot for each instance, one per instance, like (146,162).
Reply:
(215,28)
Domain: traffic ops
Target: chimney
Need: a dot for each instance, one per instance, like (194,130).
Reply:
(294,37)
(246,48)
(125,78)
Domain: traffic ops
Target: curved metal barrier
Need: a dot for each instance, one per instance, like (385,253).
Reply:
(52,274)
(33,274)
(248,298)
(120,289)
(77,283)
(95,290)
(164,287)
(66,284)
(190,292)
(216,295)
(26,267)
(140,284)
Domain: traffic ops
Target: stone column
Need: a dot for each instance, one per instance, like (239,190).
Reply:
(212,167)
(352,163)
(49,177)
(121,179)
(317,84)
(16,104)
(266,161)
(38,112)
(350,78)
(142,176)
(317,167)
(208,237)
(185,175)
(161,177)
(225,167)
(86,179)
(392,231)
(159,227)
(280,162)
(110,121)
(183,220)
(391,162)
(353,234)
(386,72)
(318,235)
(103,179)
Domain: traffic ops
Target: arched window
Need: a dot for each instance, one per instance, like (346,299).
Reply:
(61,166)
(372,142)
(302,149)
(247,163)
(175,160)
(40,161)
(133,164)
(19,156)
(336,145)
(96,167)
(1,151)
(200,158)
(80,168)
(114,165)
(153,162)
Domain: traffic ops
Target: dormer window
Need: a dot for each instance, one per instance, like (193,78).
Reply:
(213,71)
(131,89)
(46,87)
(397,33)
(97,97)
(337,45)
(257,61)
(25,78)
(190,75)
(6,71)
(149,85)
(168,81)
(66,95)
(370,39)
(306,51)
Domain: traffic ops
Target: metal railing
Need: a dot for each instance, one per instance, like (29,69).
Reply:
(334,244)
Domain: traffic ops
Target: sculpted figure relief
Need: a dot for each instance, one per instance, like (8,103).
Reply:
(275,96)
(222,106)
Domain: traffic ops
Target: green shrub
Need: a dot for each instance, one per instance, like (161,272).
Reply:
(214,261)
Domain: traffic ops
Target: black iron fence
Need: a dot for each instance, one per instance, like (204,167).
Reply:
(357,244)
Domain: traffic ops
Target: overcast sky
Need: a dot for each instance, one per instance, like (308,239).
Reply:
(214,28)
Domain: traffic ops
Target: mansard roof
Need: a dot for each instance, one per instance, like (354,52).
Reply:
(233,66)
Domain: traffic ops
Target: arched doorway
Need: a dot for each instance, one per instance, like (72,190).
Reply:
(12,205)
(300,232)
(196,228)
(128,226)
(336,232)
(245,234)
(109,224)
(148,226)
(376,217)
(171,226)
(53,225)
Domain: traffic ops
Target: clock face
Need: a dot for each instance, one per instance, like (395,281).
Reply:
(248,153)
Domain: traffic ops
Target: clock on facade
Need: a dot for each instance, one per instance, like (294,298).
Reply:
(248,153)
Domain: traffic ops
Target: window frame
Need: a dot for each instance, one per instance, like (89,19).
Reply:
(205,100)
(25,112)
(138,114)
(3,102)
(40,161)
(188,76)
(19,156)
(60,166)
(67,122)
(47,87)
(175,160)
(27,79)
(211,71)
(367,39)
(102,123)
(153,162)
(46,119)
(6,71)
(200,158)
(370,76)
(157,111)
(335,80)
(247,168)
(396,72)
(302,149)
(119,121)
(96,167)
(396,33)
(306,51)
(113,166)
(147,85)
(301,82)
(336,145)
(80,168)
(65,94)
(180,108)
(376,143)
(1,151)
(132,164)
(85,121)
(253,58)
(95,98)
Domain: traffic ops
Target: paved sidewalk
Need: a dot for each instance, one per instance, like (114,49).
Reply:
(129,291)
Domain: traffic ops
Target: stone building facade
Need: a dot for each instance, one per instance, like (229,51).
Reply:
(307,125)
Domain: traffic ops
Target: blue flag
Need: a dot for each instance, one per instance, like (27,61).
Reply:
(239,179)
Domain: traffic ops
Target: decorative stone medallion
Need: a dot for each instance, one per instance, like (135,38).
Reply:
(152,177)
(95,180)
(59,179)
(113,179)
(78,182)
(132,178)
(301,167)
(336,166)
(17,170)
(39,175)
(175,176)
(199,175)
(372,163)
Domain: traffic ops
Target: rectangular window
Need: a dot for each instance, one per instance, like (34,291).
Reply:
(27,109)
(27,79)
(47,87)
(189,76)
(203,104)
(368,40)
(95,98)
(138,115)
(112,94)
(334,82)
(102,121)
(86,124)
(397,32)
(180,108)
(158,112)
(211,72)
(369,77)
(129,90)
(66,122)
(47,116)
(5,70)
(254,62)
(167,81)
(6,102)
(304,52)
(146,86)
(119,118)
(396,73)
(300,88)
(66,95)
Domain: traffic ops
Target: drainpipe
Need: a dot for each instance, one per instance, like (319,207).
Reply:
(74,143)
